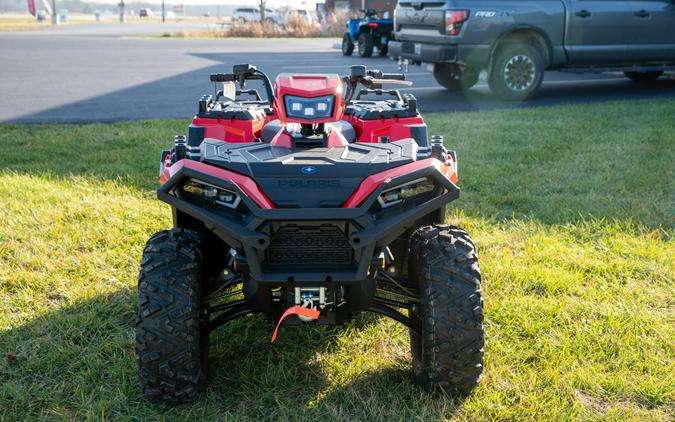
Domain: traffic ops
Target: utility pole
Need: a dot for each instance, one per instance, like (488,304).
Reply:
(261,5)
(122,7)
(163,12)
(55,14)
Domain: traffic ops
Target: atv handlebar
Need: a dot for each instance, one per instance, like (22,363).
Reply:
(359,74)
(246,72)
(371,79)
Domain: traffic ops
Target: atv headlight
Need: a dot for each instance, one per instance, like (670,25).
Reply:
(309,108)
(397,195)
(212,193)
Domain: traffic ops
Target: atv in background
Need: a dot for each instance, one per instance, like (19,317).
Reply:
(323,200)
(372,31)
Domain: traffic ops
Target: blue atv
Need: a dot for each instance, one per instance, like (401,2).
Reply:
(368,33)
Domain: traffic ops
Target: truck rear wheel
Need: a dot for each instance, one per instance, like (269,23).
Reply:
(366,44)
(517,72)
(643,77)
(449,353)
(347,45)
(171,350)
(451,77)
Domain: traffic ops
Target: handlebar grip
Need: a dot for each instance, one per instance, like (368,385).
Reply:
(394,76)
(229,77)
(391,82)
(381,75)
(222,77)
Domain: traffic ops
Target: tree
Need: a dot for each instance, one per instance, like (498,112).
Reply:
(261,6)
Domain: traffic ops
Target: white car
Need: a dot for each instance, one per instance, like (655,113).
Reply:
(252,14)
(302,13)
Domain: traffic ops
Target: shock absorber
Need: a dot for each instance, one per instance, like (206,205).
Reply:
(179,147)
(437,147)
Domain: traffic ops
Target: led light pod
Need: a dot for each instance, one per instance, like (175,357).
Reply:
(398,194)
(212,193)
(309,108)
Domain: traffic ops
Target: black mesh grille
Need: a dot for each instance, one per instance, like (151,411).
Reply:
(309,246)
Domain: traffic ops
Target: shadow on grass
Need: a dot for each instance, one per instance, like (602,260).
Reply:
(78,361)
(555,166)
(125,152)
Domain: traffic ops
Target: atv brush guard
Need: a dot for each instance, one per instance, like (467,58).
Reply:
(320,201)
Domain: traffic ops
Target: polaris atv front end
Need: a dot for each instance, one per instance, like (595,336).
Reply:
(308,207)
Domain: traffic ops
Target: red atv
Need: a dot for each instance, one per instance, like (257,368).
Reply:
(324,200)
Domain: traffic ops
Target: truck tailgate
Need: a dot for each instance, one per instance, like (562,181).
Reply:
(421,21)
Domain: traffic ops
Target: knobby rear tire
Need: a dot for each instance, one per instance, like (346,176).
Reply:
(366,44)
(347,45)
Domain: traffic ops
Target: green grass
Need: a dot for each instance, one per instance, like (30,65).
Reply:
(571,208)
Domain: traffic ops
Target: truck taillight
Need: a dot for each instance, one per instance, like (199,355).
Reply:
(454,20)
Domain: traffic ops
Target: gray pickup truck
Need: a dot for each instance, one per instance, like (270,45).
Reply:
(515,41)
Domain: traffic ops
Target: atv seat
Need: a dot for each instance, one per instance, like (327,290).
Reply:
(273,127)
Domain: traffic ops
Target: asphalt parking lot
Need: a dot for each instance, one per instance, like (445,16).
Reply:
(112,72)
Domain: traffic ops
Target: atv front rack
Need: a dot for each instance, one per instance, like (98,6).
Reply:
(247,232)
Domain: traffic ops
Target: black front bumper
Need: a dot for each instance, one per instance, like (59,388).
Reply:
(366,235)
(476,55)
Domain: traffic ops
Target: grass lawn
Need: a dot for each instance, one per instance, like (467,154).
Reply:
(572,209)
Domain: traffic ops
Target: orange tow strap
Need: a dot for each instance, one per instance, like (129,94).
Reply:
(295,310)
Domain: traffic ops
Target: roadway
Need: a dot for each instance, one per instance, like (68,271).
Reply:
(112,72)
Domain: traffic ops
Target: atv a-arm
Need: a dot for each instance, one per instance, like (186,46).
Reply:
(228,310)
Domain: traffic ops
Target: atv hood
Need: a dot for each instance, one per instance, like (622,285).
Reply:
(308,178)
